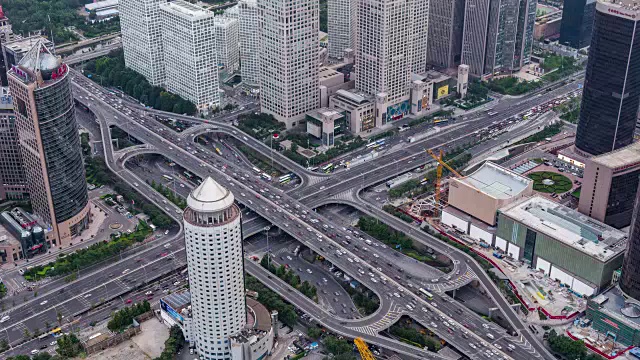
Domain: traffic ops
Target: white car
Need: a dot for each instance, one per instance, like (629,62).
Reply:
(34,351)
(53,343)
(87,296)
(44,302)
(309,271)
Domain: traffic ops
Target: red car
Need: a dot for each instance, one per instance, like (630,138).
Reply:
(164,254)
(129,301)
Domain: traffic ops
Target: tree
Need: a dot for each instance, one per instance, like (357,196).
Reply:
(69,346)
(41,356)
(314,332)
(26,334)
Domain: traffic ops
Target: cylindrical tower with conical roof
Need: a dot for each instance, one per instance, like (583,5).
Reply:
(213,240)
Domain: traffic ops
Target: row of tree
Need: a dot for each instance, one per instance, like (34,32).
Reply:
(415,337)
(169,194)
(123,318)
(291,278)
(569,348)
(272,301)
(91,255)
(111,71)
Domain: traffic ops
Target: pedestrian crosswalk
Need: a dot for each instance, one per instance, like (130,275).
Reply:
(456,283)
(390,318)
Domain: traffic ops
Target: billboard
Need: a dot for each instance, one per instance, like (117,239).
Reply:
(174,314)
(443,91)
(425,102)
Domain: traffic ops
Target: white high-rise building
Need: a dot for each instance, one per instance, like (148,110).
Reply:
(289,58)
(248,15)
(384,54)
(213,242)
(188,39)
(232,12)
(420,35)
(339,27)
(142,38)
(227,43)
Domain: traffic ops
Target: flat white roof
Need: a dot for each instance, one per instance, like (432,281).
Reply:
(185,8)
(496,181)
(100,4)
(566,225)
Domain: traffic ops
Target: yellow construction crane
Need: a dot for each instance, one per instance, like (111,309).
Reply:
(365,353)
(441,163)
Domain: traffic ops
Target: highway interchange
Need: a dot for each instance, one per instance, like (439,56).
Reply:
(287,210)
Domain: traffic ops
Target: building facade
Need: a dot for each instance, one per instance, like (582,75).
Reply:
(141,32)
(609,186)
(463,80)
(358,109)
(189,43)
(446,22)
(227,43)
(611,93)
(420,34)
(577,23)
(580,252)
(250,47)
(6,35)
(12,178)
(213,241)
(288,59)
(498,35)
(384,56)
(49,143)
(339,27)
(630,281)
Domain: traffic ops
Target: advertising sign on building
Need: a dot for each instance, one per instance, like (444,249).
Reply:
(443,91)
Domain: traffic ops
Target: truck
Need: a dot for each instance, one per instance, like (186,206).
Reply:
(498,254)
(484,244)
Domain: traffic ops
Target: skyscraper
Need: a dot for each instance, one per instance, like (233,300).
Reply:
(630,281)
(420,34)
(6,35)
(339,27)
(384,54)
(289,59)
(577,23)
(498,35)
(227,42)
(189,45)
(611,94)
(248,15)
(142,38)
(213,241)
(446,21)
(49,142)
(12,180)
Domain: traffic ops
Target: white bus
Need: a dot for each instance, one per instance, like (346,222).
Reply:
(257,170)
(266,176)
(285,179)
(404,127)
(328,168)
(167,177)
(427,294)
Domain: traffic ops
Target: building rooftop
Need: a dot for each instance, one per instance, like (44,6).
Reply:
(612,302)
(188,10)
(574,229)
(260,314)
(625,6)
(210,196)
(25,44)
(325,113)
(625,157)
(496,181)
(223,21)
(353,96)
(39,65)
(178,300)
(100,5)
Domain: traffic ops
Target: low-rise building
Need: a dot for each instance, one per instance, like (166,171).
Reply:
(421,94)
(326,124)
(333,78)
(483,192)
(358,108)
(576,250)
(614,314)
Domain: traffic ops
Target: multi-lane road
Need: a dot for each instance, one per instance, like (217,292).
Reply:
(178,156)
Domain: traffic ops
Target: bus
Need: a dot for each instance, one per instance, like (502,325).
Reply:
(372,145)
(492,113)
(313,168)
(327,168)
(440,120)
(167,177)
(218,151)
(94,336)
(285,179)
(257,170)
(188,175)
(427,294)
(56,332)
(266,176)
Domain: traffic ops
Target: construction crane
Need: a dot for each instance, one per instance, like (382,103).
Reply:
(365,353)
(441,164)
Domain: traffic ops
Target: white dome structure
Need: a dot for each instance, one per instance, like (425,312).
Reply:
(213,242)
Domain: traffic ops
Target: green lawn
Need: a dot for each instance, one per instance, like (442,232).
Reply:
(550,182)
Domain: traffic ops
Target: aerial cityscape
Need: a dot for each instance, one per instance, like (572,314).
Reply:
(331,179)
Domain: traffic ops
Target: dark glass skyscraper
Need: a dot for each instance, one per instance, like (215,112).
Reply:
(577,23)
(611,94)
(49,142)
(630,281)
